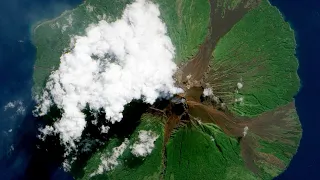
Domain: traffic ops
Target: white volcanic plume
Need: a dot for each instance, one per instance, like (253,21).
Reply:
(131,58)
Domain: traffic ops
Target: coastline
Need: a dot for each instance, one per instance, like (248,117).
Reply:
(44,21)
(37,24)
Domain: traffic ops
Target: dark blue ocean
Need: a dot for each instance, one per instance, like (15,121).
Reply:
(17,55)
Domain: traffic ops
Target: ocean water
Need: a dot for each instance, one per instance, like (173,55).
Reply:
(17,54)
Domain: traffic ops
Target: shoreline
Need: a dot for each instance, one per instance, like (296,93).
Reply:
(36,25)
(39,23)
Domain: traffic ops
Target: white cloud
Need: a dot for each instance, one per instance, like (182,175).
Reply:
(20,110)
(207,92)
(239,100)
(14,104)
(239,85)
(67,163)
(47,130)
(66,166)
(17,105)
(145,144)
(104,129)
(109,163)
(131,58)
(212,139)
(94,122)
(245,131)
(10,105)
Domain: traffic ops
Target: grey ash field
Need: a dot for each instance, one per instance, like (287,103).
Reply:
(235,118)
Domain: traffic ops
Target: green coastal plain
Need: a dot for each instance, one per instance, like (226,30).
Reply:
(256,51)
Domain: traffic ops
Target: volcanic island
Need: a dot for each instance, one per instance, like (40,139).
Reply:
(234,117)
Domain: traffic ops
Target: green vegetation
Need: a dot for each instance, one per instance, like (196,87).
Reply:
(204,152)
(187,23)
(259,52)
(131,167)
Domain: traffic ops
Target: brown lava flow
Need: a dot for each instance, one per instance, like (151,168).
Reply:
(192,106)
(218,27)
